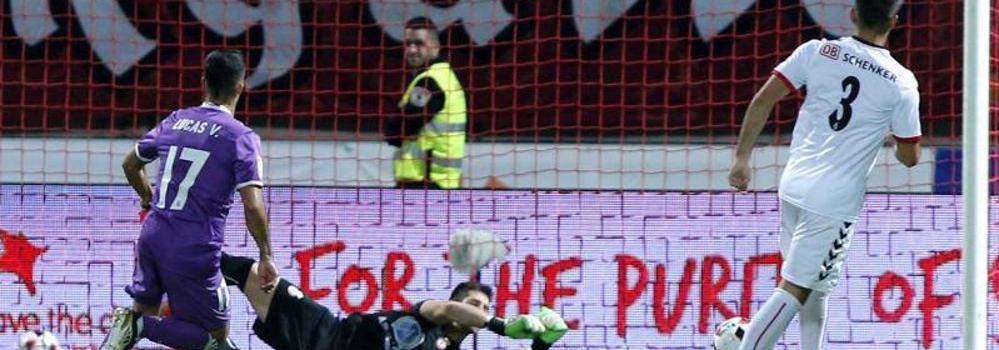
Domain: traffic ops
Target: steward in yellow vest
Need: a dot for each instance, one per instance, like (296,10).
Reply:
(430,133)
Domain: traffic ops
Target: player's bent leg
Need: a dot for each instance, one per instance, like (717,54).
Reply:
(199,302)
(220,333)
(769,324)
(224,344)
(220,340)
(146,293)
(146,309)
(812,314)
(260,300)
(242,272)
(814,253)
(295,322)
(799,292)
(286,318)
(126,325)
(124,330)
(236,269)
(812,319)
(173,332)
(146,289)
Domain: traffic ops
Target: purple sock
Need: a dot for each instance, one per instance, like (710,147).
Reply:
(174,333)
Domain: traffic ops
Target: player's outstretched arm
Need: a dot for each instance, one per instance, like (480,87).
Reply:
(443,312)
(555,328)
(135,172)
(446,312)
(752,124)
(256,222)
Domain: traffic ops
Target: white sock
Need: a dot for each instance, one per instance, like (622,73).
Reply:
(813,321)
(769,324)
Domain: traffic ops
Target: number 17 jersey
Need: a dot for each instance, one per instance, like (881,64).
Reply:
(857,94)
(205,156)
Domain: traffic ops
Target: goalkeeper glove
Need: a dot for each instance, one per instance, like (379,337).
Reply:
(555,326)
(518,327)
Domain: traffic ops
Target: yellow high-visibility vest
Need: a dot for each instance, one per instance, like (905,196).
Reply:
(443,136)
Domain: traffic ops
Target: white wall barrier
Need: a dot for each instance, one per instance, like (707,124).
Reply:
(516,165)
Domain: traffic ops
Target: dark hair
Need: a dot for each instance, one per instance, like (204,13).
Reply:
(424,23)
(224,69)
(876,14)
(421,23)
(461,290)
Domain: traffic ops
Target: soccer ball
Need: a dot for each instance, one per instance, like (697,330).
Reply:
(38,340)
(729,334)
(471,249)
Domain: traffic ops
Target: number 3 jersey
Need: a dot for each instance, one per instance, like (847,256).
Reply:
(205,156)
(856,94)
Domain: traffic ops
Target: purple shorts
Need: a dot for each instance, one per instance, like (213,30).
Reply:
(170,260)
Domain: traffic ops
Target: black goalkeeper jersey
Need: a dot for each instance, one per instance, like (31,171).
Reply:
(391,330)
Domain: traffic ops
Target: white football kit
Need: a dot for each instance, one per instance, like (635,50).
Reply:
(857,94)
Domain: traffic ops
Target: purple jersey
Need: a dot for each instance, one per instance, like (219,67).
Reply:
(205,156)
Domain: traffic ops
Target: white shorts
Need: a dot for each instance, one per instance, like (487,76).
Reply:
(814,247)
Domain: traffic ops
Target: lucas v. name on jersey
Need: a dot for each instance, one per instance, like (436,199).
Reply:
(195,126)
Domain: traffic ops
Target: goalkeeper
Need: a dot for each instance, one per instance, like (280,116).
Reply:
(289,320)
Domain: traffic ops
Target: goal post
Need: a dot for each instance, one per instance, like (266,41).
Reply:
(975,173)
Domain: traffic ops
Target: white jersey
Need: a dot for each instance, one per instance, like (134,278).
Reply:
(857,94)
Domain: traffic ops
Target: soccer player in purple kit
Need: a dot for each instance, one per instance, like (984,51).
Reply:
(205,156)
